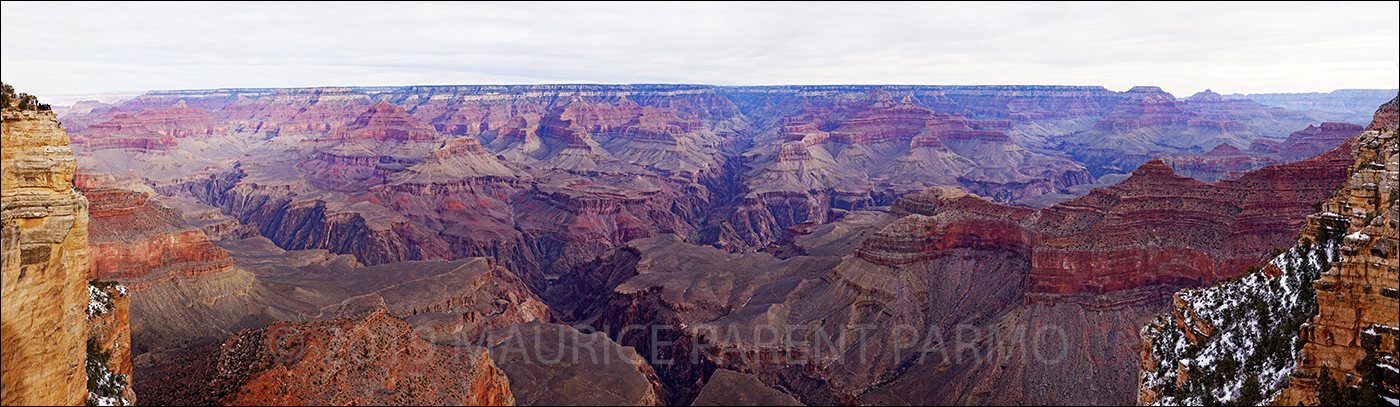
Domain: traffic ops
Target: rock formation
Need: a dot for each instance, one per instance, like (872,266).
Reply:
(45,222)
(729,388)
(109,337)
(367,358)
(1094,267)
(552,364)
(1152,121)
(142,241)
(1320,304)
(579,169)
(303,204)
(1357,297)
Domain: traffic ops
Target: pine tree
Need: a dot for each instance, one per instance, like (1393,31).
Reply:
(1328,393)
(1250,394)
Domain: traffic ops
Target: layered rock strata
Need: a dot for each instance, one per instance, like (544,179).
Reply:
(1087,272)
(45,248)
(1152,121)
(579,169)
(1357,297)
(141,241)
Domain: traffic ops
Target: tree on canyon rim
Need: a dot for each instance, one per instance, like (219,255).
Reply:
(21,100)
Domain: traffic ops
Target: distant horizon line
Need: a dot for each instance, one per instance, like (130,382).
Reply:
(648,84)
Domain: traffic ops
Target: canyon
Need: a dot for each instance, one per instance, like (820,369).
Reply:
(949,228)
(1315,325)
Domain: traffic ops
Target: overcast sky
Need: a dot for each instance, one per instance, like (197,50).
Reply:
(58,48)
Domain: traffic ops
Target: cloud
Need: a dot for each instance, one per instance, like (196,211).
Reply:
(1183,47)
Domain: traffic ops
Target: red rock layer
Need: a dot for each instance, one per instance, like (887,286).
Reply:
(139,240)
(1315,140)
(287,112)
(1160,228)
(154,129)
(980,225)
(371,358)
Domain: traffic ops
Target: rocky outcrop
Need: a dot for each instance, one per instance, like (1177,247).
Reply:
(109,338)
(368,358)
(141,241)
(552,365)
(45,233)
(729,388)
(1357,296)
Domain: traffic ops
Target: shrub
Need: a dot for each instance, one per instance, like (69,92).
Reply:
(21,100)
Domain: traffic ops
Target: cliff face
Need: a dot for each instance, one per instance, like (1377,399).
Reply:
(1357,297)
(45,268)
(1324,303)
(141,241)
(109,337)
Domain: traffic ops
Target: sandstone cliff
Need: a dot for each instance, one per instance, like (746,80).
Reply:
(45,222)
(1357,297)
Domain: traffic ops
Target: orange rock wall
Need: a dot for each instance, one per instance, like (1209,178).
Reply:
(112,330)
(1357,298)
(44,240)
